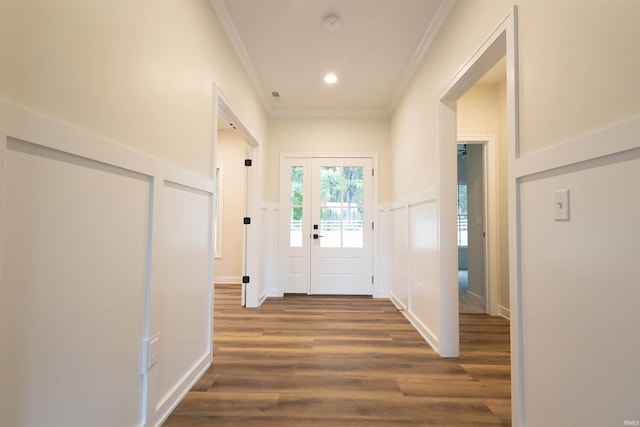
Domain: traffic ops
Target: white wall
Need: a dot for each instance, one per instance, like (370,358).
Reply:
(103,248)
(125,254)
(580,293)
(230,156)
(577,75)
(127,71)
(69,320)
(328,135)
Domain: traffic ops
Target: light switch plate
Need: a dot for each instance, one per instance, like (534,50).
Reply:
(561,205)
(153,351)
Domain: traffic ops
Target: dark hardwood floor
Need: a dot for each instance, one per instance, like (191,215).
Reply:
(344,361)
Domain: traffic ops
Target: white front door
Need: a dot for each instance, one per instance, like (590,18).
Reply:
(341,220)
(326,226)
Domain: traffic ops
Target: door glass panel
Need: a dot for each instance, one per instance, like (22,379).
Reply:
(341,212)
(331,227)
(295,224)
(353,227)
(353,186)
(330,185)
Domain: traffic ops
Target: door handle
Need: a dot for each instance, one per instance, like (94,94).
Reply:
(316,236)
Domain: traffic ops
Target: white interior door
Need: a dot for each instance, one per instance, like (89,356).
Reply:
(341,226)
(326,226)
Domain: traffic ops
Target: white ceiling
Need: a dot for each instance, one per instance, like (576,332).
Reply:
(285,47)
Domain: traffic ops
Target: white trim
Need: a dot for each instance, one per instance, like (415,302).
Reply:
(252,264)
(382,275)
(427,39)
(172,399)
(27,126)
(328,113)
(581,149)
(236,41)
(427,195)
(226,110)
(504,312)
(219,211)
(610,144)
(501,42)
(476,299)
(313,155)
(399,305)
(422,329)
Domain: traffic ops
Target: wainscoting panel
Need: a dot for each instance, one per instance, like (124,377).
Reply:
(578,295)
(185,302)
(399,286)
(102,250)
(414,263)
(424,304)
(271,250)
(74,251)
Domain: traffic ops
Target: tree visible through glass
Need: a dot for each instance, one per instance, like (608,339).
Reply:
(342,206)
(295,233)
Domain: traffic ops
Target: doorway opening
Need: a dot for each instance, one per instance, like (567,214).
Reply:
(501,43)
(231,206)
(244,190)
(471,193)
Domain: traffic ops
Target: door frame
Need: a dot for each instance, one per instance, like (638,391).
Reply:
(378,288)
(252,296)
(502,42)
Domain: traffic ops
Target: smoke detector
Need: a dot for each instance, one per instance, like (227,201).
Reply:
(331,22)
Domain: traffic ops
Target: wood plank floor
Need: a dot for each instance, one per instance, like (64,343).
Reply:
(344,361)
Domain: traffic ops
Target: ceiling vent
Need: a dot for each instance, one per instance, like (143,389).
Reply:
(331,22)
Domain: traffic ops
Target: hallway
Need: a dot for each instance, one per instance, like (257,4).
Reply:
(326,361)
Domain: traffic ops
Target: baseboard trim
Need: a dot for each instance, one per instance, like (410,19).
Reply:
(166,406)
(475,299)
(399,305)
(228,280)
(428,336)
(504,312)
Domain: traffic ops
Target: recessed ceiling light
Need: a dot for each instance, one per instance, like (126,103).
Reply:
(330,79)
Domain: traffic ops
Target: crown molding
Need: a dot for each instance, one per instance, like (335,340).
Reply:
(327,113)
(235,40)
(430,34)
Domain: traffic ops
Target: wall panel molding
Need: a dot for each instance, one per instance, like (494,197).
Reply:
(593,255)
(64,185)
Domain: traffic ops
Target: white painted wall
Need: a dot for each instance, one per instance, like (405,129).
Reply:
(97,78)
(103,248)
(580,294)
(230,155)
(399,264)
(73,289)
(328,135)
(127,71)
(578,75)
